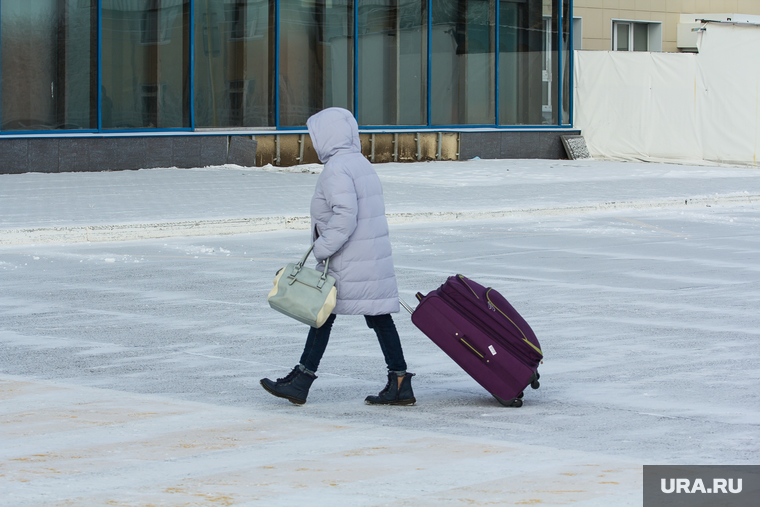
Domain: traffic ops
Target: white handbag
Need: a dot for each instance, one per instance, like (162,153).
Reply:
(303,293)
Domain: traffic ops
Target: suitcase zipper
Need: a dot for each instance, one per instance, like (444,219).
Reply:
(491,305)
(481,325)
(464,281)
(525,338)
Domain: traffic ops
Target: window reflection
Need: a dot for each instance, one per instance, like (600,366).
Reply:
(316,58)
(392,62)
(234,63)
(145,64)
(525,62)
(463,62)
(49,75)
(49,78)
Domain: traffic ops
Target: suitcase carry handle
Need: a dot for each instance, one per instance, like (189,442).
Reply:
(469,347)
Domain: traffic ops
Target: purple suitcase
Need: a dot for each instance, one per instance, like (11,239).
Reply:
(481,331)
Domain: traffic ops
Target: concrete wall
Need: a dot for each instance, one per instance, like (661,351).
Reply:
(514,144)
(53,155)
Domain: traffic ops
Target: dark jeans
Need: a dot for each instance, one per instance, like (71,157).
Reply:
(385,329)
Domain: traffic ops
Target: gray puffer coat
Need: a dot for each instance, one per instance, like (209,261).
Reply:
(348,221)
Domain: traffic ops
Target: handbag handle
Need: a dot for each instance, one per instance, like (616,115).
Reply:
(300,264)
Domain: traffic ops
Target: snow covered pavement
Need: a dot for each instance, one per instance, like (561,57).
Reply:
(129,370)
(127,205)
(85,446)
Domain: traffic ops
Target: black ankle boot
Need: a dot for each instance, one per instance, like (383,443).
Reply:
(294,386)
(393,394)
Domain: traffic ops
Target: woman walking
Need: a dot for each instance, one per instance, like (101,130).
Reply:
(349,227)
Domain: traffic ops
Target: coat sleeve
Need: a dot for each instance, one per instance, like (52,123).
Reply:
(340,196)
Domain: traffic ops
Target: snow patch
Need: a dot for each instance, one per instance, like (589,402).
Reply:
(302,168)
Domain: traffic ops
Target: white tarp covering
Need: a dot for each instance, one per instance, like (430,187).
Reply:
(674,107)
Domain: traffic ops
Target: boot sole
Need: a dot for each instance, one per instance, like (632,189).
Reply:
(410,401)
(295,401)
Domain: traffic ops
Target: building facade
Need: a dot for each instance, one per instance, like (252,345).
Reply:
(644,25)
(129,70)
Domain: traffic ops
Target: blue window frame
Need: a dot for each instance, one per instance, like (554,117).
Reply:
(183,65)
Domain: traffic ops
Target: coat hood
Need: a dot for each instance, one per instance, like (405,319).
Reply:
(334,130)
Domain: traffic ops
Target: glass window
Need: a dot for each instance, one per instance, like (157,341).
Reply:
(409,72)
(622,36)
(145,73)
(392,62)
(524,63)
(630,36)
(463,62)
(234,63)
(640,37)
(316,58)
(49,58)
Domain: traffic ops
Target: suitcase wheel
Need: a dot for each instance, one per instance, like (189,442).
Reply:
(521,395)
(534,383)
(514,402)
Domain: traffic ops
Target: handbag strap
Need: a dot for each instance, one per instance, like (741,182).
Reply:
(300,264)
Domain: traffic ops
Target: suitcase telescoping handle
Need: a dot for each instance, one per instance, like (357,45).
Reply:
(406,306)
